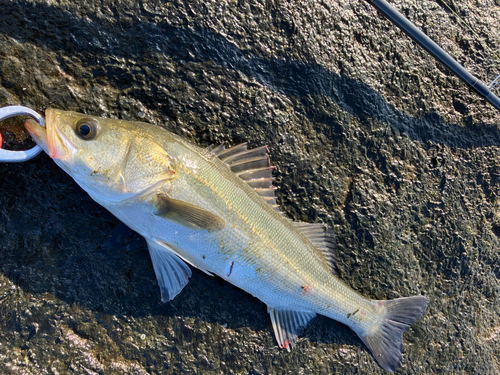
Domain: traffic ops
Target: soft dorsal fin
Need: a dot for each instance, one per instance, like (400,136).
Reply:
(252,166)
(323,238)
(287,325)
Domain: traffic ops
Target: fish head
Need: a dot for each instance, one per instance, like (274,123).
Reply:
(113,160)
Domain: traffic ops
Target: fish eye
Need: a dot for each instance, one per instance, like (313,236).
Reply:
(87,128)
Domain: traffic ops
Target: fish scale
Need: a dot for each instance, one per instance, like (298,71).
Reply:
(215,209)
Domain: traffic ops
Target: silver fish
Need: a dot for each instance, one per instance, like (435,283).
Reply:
(215,210)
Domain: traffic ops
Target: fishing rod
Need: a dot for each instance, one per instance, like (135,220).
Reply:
(439,54)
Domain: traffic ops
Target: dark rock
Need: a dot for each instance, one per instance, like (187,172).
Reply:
(369,134)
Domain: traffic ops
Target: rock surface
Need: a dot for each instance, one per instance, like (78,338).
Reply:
(369,134)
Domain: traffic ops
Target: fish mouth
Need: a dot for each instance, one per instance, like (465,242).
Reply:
(50,138)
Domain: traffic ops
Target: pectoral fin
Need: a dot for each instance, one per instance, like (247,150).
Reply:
(172,273)
(188,215)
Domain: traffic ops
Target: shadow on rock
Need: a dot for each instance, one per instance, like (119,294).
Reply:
(103,45)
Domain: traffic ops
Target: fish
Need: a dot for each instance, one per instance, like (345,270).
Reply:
(215,209)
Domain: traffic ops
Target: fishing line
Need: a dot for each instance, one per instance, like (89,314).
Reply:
(437,52)
(495,82)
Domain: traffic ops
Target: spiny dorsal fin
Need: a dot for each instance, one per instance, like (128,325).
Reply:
(216,150)
(287,325)
(252,166)
(222,152)
(323,238)
(254,162)
(254,153)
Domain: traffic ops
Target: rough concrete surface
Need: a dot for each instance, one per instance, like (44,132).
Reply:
(368,132)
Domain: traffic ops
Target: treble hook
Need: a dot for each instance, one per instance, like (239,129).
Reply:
(7,156)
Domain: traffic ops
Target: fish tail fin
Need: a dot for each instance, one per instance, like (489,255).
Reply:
(385,339)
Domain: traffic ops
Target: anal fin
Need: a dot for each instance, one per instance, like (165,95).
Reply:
(288,324)
(171,272)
